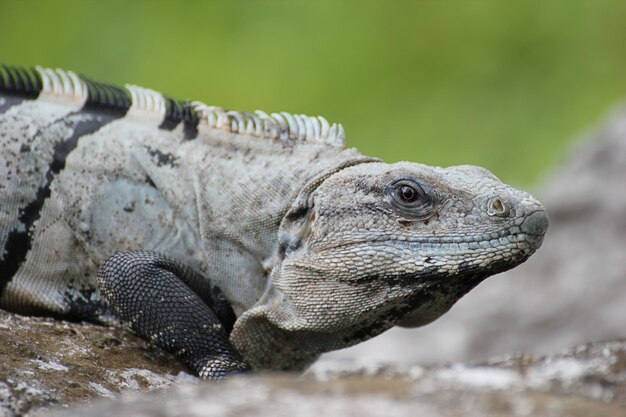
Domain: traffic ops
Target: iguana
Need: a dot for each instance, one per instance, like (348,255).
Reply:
(239,241)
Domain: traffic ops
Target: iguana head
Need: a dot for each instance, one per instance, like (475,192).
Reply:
(377,245)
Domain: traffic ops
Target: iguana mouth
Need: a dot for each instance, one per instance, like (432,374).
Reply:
(468,243)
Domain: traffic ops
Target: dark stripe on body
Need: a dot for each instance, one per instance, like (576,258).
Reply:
(114,100)
(18,85)
(20,242)
(20,81)
(177,112)
(190,119)
(173,114)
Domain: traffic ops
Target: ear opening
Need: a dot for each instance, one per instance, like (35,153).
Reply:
(296,224)
(295,234)
(302,202)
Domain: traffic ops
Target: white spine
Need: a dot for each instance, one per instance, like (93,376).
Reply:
(279,126)
(144,99)
(62,86)
(146,103)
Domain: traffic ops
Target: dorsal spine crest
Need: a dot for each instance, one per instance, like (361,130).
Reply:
(281,126)
(58,84)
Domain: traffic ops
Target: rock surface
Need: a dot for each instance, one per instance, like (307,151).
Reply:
(47,362)
(572,291)
(589,380)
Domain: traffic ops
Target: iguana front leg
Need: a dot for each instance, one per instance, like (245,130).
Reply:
(174,307)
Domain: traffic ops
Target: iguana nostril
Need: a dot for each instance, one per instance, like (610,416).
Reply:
(496,207)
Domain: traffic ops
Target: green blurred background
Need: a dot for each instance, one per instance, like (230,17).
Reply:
(502,84)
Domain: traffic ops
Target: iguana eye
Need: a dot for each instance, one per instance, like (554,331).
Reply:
(410,199)
(408,193)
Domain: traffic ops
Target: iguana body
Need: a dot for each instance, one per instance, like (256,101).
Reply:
(313,245)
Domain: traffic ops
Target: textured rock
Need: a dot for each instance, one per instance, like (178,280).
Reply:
(586,381)
(573,290)
(47,362)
